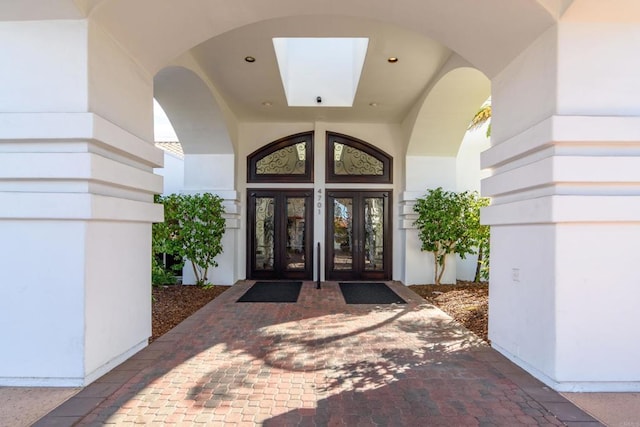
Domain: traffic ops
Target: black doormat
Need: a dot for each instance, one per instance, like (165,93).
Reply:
(369,293)
(272,292)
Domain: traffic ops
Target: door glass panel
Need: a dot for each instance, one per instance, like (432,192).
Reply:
(286,161)
(373,233)
(351,161)
(296,208)
(265,225)
(343,234)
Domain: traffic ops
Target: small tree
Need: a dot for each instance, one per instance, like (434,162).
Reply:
(193,230)
(448,222)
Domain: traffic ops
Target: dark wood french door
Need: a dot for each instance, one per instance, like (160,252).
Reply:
(358,233)
(280,235)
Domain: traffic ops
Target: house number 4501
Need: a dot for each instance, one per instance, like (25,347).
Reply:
(319,204)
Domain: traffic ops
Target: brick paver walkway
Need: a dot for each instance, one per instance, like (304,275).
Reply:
(318,362)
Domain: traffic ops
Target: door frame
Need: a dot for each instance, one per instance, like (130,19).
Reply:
(359,274)
(280,227)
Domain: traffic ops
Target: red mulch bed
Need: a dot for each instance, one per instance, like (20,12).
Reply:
(467,302)
(172,304)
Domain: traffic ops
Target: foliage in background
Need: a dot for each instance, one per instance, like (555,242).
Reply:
(481,117)
(449,223)
(161,244)
(482,268)
(192,229)
(161,276)
(480,234)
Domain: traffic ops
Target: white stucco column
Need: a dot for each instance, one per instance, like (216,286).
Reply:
(76,203)
(215,174)
(565,214)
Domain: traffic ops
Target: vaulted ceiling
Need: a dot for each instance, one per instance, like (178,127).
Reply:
(386,90)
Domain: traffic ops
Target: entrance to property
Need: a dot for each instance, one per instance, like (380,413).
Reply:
(280,221)
(358,245)
(280,234)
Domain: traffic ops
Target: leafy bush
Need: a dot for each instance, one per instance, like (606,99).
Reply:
(449,222)
(160,276)
(192,230)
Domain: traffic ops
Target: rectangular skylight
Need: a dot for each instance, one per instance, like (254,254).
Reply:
(320,68)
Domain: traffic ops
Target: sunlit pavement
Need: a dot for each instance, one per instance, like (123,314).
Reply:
(318,362)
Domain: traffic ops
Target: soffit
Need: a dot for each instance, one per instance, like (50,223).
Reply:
(487,33)
(392,87)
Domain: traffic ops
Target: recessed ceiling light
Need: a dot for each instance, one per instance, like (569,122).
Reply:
(250,59)
(267,103)
(392,59)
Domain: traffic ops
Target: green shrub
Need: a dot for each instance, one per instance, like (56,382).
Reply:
(160,276)
(192,230)
(449,222)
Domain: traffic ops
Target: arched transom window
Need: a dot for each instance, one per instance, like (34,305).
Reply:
(352,160)
(348,159)
(288,159)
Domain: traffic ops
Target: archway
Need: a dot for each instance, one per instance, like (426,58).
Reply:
(82,76)
(209,155)
(193,111)
(175,29)
(431,158)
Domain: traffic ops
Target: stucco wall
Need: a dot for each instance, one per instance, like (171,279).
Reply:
(57,77)
(172,173)
(77,186)
(117,304)
(42,308)
(564,213)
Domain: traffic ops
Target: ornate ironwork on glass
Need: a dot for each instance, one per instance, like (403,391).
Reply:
(289,159)
(352,160)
